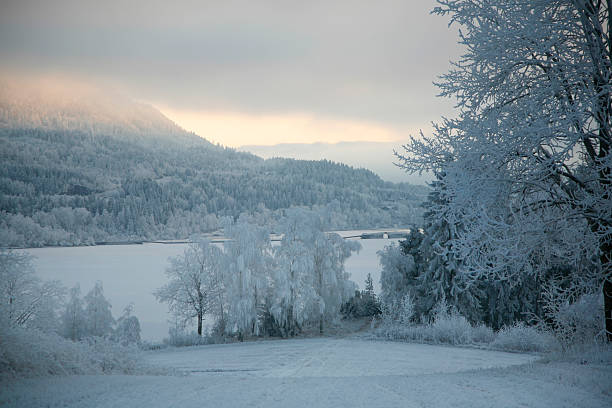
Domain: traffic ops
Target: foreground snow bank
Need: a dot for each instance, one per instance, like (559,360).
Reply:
(328,373)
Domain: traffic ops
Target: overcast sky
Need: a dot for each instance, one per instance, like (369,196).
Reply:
(248,72)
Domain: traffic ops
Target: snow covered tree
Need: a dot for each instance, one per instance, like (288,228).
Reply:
(401,266)
(128,327)
(25,300)
(310,283)
(526,162)
(369,285)
(370,300)
(294,294)
(332,284)
(439,277)
(192,282)
(73,318)
(98,317)
(248,257)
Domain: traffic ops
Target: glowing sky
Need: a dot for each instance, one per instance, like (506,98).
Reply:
(248,72)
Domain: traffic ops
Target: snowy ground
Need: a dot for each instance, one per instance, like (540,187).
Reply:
(328,372)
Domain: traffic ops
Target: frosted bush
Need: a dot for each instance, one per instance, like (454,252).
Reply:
(112,357)
(29,352)
(448,327)
(184,339)
(482,334)
(451,328)
(406,309)
(398,311)
(580,322)
(520,337)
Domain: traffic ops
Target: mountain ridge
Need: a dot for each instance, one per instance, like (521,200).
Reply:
(76,182)
(376,156)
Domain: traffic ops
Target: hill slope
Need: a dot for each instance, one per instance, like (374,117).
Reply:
(95,169)
(375,156)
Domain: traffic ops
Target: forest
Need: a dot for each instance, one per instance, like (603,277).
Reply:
(62,187)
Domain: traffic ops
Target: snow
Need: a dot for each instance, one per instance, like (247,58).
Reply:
(328,357)
(131,273)
(328,372)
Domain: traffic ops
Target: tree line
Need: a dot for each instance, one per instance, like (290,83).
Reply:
(250,287)
(28,302)
(61,187)
(519,224)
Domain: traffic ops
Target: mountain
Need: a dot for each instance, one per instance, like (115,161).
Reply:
(375,156)
(81,165)
(66,105)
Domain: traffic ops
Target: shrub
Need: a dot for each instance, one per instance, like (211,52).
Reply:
(362,304)
(178,337)
(580,322)
(30,353)
(398,311)
(482,334)
(448,327)
(451,328)
(520,337)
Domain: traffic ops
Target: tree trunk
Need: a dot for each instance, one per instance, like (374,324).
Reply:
(606,261)
(321,324)
(607,290)
(199,323)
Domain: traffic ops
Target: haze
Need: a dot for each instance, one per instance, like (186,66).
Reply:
(248,73)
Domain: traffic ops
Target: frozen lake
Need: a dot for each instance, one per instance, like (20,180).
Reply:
(130,273)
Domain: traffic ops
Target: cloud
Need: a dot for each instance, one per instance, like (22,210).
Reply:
(349,60)
(236,129)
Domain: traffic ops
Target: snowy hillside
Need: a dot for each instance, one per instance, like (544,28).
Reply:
(376,156)
(81,166)
(53,104)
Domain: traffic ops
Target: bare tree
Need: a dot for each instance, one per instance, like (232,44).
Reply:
(25,300)
(192,282)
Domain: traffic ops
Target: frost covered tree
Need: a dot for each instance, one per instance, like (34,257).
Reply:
(26,300)
(128,327)
(98,317)
(332,284)
(401,266)
(248,255)
(439,277)
(526,162)
(294,294)
(73,318)
(191,283)
(310,283)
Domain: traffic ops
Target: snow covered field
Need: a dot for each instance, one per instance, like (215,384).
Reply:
(131,273)
(328,372)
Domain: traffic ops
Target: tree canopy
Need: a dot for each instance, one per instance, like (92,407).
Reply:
(525,166)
